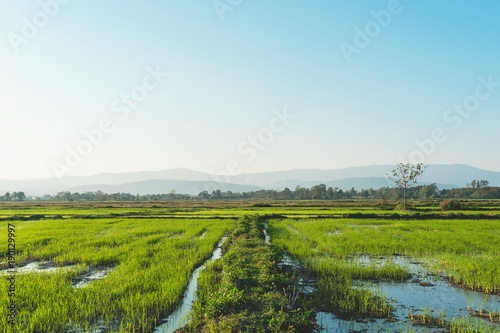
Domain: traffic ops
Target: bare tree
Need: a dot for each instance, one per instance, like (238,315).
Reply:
(171,194)
(478,183)
(406,175)
(482,183)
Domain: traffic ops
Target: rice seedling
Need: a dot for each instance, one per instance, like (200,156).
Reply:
(466,249)
(149,251)
(151,270)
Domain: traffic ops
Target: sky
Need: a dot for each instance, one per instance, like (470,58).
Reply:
(240,86)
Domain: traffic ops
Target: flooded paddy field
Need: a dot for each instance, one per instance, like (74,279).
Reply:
(323,269)
(423,294)
(104,275)
(398,276)
(182,315)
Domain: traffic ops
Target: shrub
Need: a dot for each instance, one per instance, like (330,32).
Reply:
(450,205)
(262,205)
(224,301)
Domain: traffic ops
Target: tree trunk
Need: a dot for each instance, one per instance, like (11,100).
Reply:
(404,200)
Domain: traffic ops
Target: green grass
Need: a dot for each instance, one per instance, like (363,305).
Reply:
(244,291)
(466,251)
(237,208)
(154,247)
(152,266)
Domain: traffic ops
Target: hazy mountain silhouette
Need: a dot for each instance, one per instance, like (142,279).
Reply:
(192,182)
(159,186)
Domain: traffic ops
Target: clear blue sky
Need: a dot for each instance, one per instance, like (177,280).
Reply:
(228,76)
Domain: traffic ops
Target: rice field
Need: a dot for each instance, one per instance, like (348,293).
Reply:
(150,264)
(115,267)
(466,251)
(351,256)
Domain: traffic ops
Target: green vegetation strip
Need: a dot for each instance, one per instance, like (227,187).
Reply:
(234,209)
(245,292)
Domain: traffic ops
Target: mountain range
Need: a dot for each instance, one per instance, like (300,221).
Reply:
(192,182)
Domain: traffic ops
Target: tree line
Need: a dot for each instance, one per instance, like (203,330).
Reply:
(14,196)
(317,192)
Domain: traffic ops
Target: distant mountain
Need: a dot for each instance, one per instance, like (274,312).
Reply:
(265,178)
(347,184)
(454,175)
(31,187)
(159,186)
(459,174)
(192,182)
(128,177)
(343,184)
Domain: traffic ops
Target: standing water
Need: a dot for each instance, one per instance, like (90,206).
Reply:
(267,238)
(181,317)
(424,291)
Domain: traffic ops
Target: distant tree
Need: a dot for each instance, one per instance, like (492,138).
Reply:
(99,195)
(471,184)
(428,191)
(18,196)
(21,196)
(319,191)
(171,194)
(286,194)
(204,195)
(272,194)
(382,192)
(330,192)
(64,196)
(351,193)
(216,194)
(482,183)
(407,175)
(300,193)
(478,183)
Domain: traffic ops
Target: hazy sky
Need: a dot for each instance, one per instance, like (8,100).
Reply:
(252,85)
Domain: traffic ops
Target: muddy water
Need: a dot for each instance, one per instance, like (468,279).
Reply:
(49,267)
(38,267)
(100,327)
(423,291)
(181,316)
(267,238)
(85,279)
